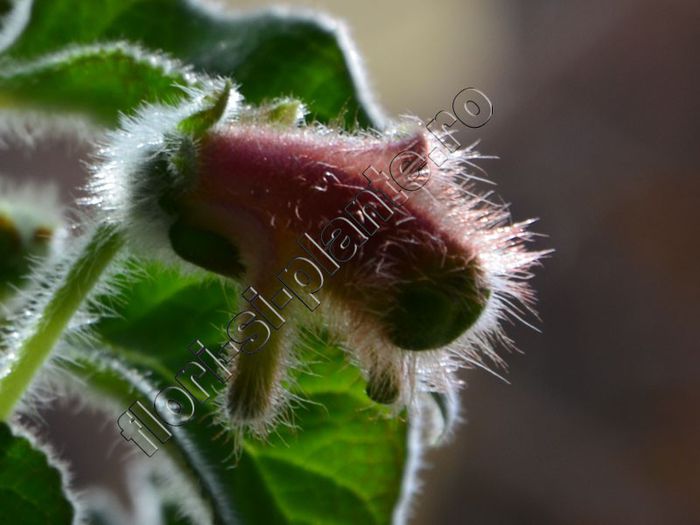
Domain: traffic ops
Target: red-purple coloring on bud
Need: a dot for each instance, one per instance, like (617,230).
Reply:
(410,266)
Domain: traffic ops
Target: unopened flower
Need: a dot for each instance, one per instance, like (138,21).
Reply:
(410,266)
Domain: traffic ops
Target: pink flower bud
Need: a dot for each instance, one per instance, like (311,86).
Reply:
(408,264)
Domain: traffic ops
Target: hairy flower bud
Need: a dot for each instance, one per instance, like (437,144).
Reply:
(412,268)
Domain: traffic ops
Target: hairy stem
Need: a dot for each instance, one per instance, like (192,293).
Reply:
(67,298)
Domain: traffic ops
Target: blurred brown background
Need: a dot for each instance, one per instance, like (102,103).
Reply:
(596,122)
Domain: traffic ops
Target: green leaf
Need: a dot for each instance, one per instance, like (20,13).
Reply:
(342,464)
(269,54)
(102,80)
(344,460)
(30,487)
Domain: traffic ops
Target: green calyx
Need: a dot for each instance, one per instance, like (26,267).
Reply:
(285,112)
(173,173)
(432,312)
(200,122)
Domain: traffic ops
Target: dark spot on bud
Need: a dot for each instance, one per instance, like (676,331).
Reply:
(433,312)
(245,405)
(42,234)
(205,248)
(383,386)
(250,390)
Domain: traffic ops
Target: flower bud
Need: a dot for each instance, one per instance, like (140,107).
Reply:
(384,385)
(410,262)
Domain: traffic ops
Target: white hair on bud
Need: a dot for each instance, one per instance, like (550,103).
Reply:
(280,400)
(451,199)
(121,190)
(123,193)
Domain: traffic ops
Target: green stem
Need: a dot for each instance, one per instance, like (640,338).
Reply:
(35,349)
